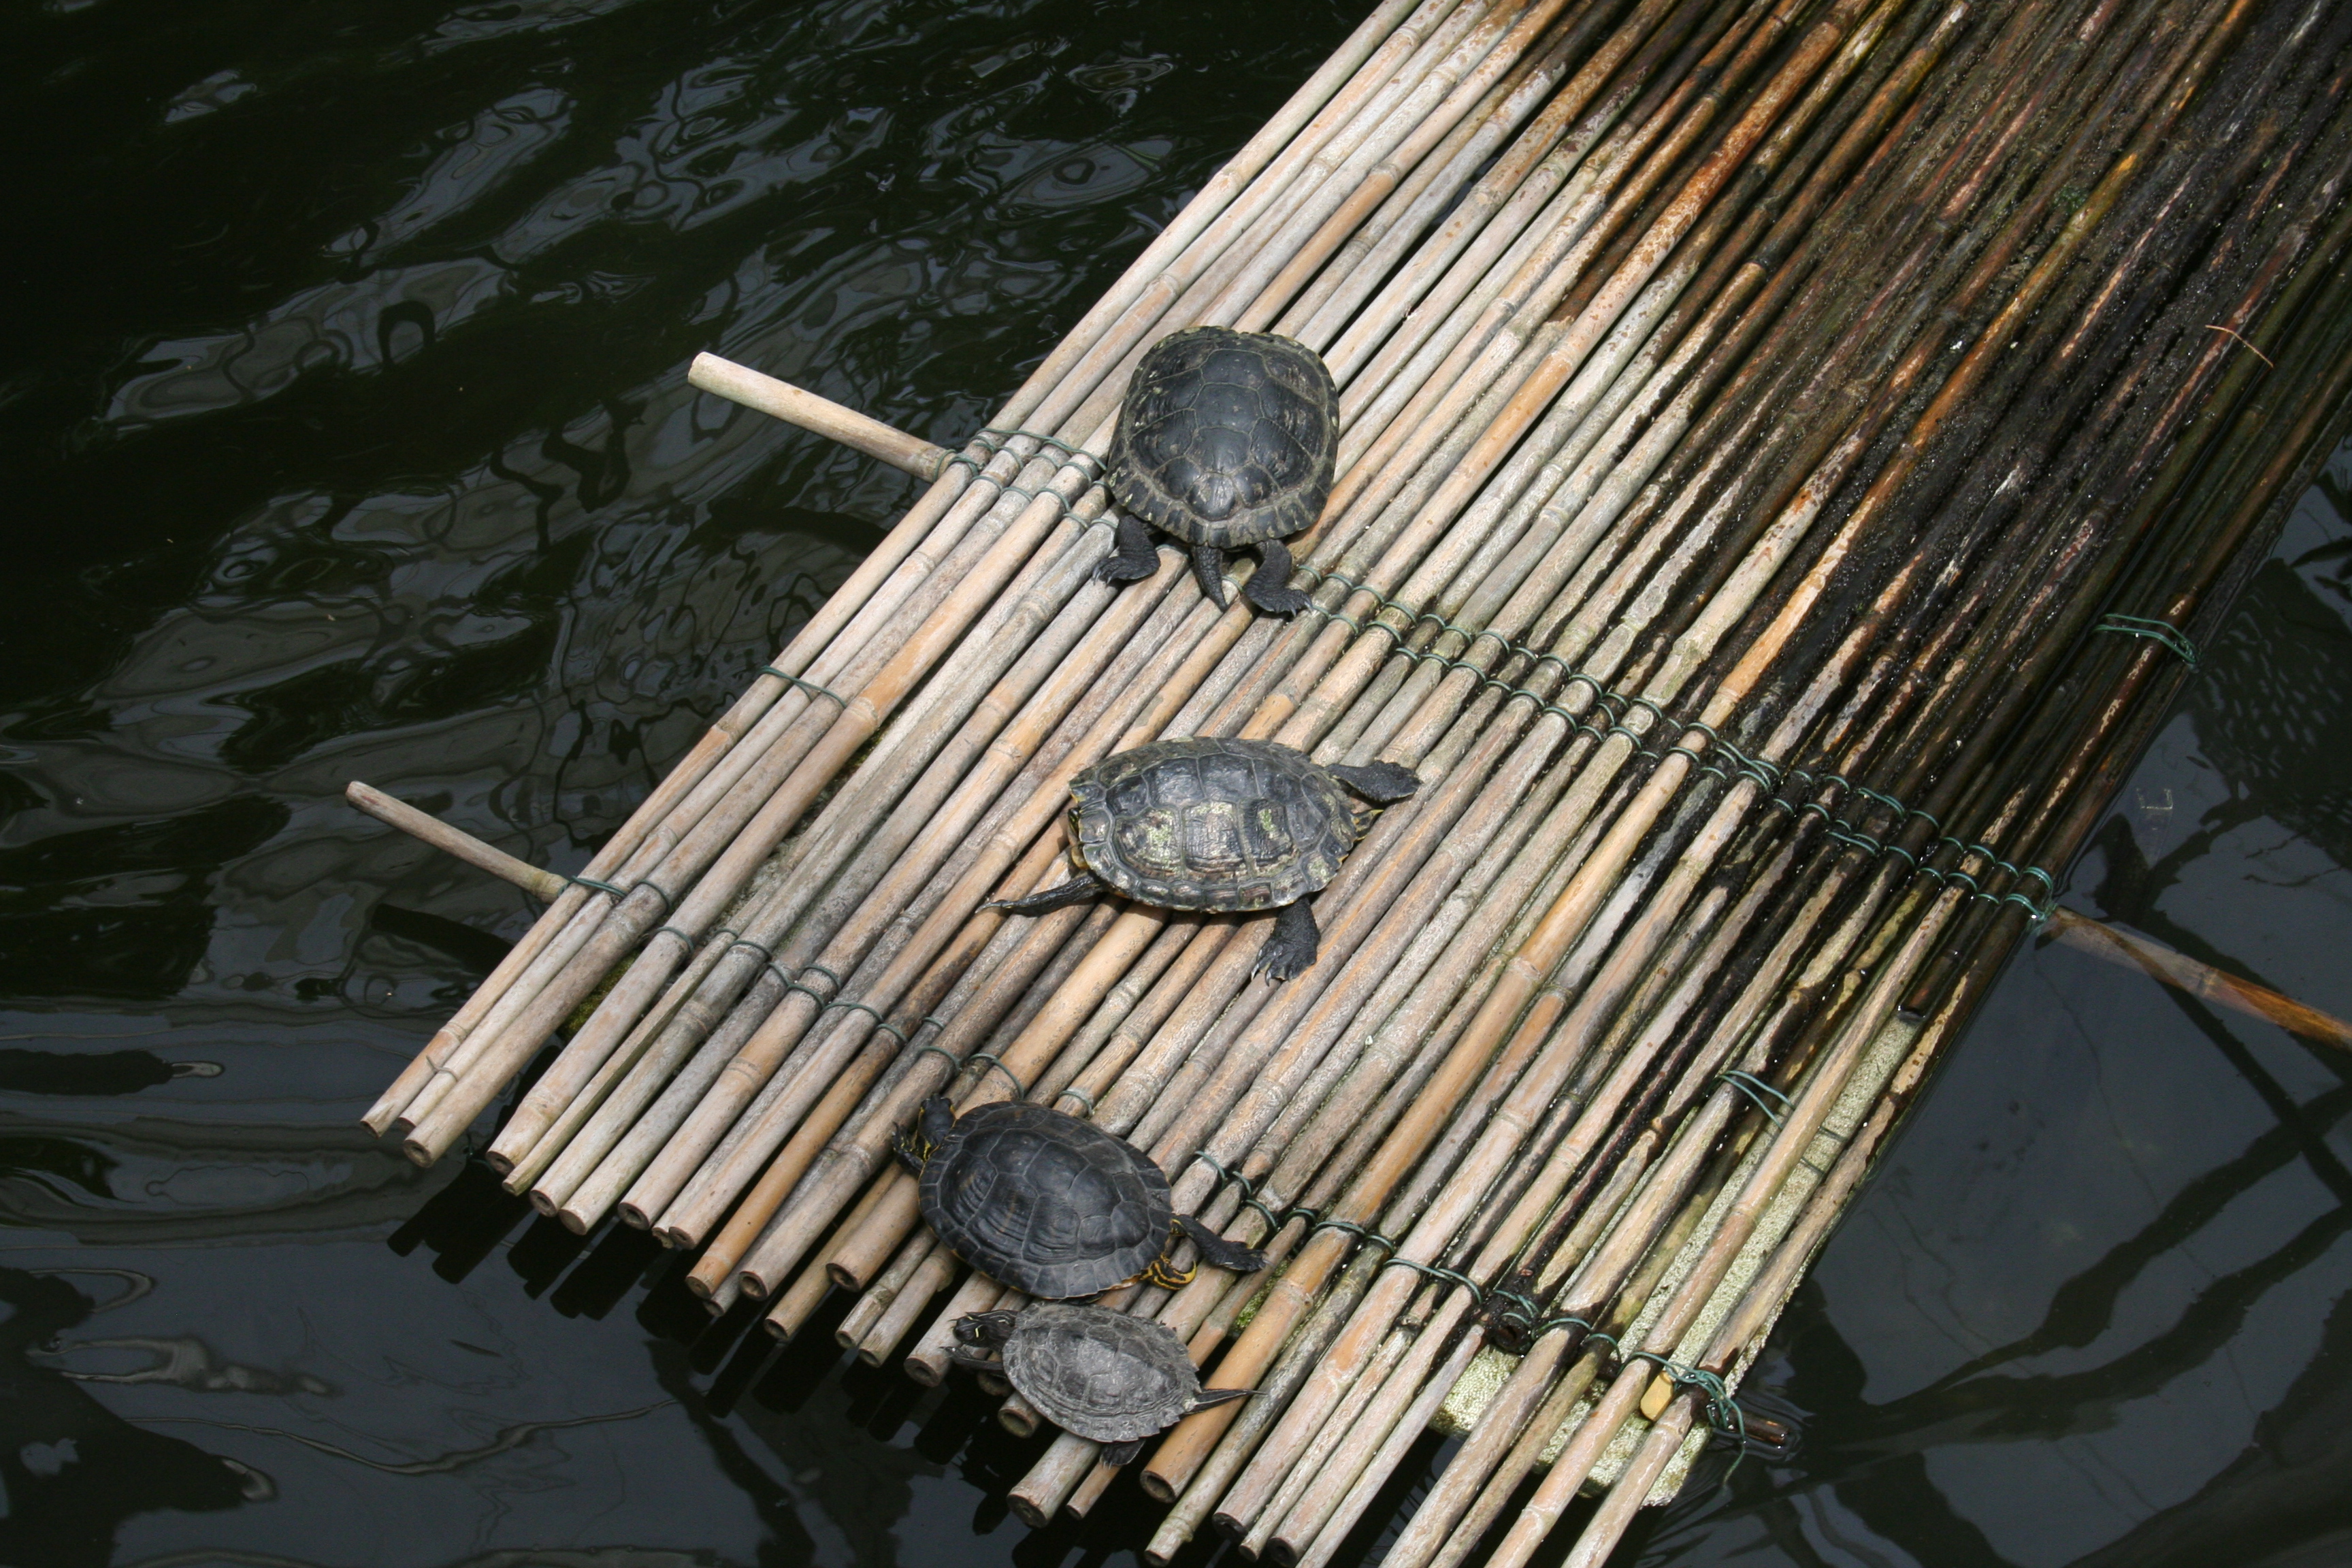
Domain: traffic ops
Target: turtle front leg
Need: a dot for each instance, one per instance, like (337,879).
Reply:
(1077,890)
(1217,1252)
(972,1361)
(1209,566)
(1269,586)
(1117,1454)
(1134,559)
(1291,949)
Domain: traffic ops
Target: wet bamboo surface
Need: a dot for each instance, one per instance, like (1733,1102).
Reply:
(1790,452)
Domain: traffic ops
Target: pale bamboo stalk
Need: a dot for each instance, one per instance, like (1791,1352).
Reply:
(784,778)
(928,1279)
(867,1310)
(2202,980)
(782,400)
(1401,1429)
(792,1308)
(430,829)
(1801,1122)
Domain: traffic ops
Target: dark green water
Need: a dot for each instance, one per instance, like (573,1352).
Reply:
(345,436)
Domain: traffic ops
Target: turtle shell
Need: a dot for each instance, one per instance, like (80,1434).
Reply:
(1047,1204)
(1210,824)
(1099,1374)
(1226,438)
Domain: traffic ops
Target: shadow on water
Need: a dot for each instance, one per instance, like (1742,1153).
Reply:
(345,405)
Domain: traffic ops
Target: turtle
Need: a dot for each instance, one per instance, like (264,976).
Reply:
(1051,1204)
(1198,823)
(1225,439)
(1092,1372)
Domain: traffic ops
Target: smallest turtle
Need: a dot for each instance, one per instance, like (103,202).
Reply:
(1093,1373)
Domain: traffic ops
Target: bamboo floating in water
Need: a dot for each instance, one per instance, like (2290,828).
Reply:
(1749,414)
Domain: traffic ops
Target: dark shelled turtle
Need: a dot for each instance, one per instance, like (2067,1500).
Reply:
(1225,439)
(1050,1205)
(1092,1372)
(1219,825)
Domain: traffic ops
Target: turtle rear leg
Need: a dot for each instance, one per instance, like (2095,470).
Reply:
(1383,784)
(1134,559)
(973,1361)
(1291,949)
(1209,566)
(1117,1454)
(1219,1253)
(1269,586)
(1077,890)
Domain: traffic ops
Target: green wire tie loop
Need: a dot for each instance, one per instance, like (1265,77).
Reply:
(1066,448)
(811,686)
(1723,1412)
(766,953)
(1756,1089)
(1432,1271)
(1081,1096)
(1020,1089)
(2164,633)
(941,1052)
(592,882)
(1565,1321)
(1273,1222)
(1248,1187)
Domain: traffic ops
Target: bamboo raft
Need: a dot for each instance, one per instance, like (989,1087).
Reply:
(1791,450)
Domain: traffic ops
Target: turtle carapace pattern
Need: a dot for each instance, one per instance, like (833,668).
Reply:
(1051,1204)
(1220,824)
(1225,439)
(1091,1372)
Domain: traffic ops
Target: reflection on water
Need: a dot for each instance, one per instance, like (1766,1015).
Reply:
(352,422)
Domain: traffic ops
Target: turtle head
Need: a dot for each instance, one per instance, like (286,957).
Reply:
(932,1125)
(985,1329)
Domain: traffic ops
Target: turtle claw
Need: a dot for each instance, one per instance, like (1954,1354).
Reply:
(1134,559)
(1291,949)
(1117,1454)
(1269,586)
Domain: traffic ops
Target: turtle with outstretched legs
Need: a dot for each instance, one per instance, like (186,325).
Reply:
(1050,1205)
(1091,1372)
(1226,438)
(1223,825)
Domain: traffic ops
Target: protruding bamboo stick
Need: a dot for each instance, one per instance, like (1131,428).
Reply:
(2202,980)
(794,405)
(539,884)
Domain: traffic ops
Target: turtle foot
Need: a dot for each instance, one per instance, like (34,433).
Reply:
(1117,1454)
(1292,947)
(1134,559)
(1217,1252)
(1269,586)
(1381,783)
